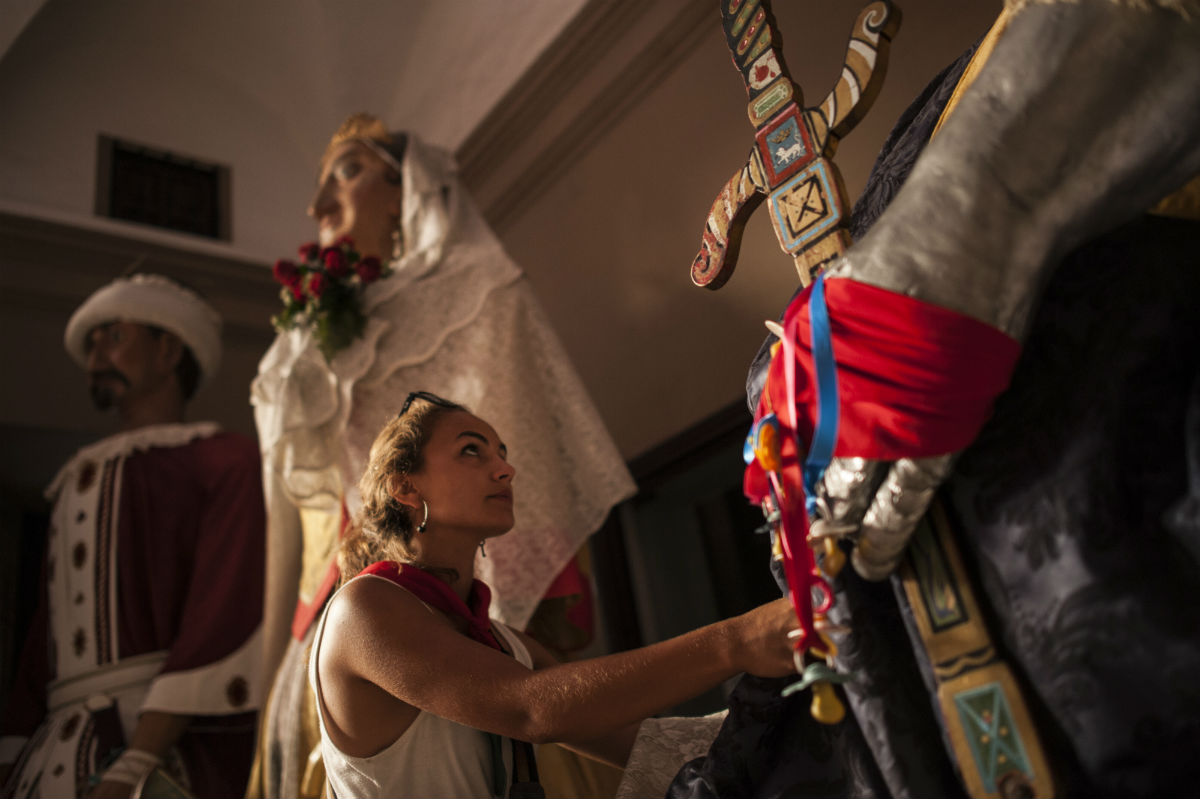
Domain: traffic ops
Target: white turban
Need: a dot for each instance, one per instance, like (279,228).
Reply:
(150,300)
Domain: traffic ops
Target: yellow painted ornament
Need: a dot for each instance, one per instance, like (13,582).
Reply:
(762,444)
(766,448)
(826,707)
(834,558)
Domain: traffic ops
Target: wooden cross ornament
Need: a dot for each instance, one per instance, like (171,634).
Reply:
(790,163)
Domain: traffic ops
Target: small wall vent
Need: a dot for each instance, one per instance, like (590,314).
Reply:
(142,184)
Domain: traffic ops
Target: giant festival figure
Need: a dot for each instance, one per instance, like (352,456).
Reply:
(977,429)
(450,313)
(144,657)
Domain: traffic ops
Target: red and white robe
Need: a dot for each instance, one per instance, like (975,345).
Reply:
(153,594)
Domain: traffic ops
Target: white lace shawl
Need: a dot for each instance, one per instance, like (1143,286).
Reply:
(456,318)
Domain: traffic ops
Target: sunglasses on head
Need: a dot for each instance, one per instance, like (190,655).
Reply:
(425,395)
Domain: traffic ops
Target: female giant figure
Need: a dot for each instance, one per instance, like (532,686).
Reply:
(455,316)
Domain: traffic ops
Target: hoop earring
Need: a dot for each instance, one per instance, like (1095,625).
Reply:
(424,522)
(482,551)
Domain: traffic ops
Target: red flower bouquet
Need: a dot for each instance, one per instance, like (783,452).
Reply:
(324,293)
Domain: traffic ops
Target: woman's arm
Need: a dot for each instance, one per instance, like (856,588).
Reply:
(612,748)
(380,633)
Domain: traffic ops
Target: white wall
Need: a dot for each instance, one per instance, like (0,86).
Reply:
(257,86)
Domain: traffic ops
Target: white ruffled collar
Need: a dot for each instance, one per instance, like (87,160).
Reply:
(143,438)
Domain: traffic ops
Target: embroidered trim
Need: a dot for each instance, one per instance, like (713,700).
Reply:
(105,561)
(143,438)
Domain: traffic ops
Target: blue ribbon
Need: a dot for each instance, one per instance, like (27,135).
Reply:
(825,433)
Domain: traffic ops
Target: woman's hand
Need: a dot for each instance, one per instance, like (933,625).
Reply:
(761,642)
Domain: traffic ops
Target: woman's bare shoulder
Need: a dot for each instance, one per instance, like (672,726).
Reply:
(374,596)
(373,624)
(375,606)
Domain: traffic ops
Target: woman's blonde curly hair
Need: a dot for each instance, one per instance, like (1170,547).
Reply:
(384,527)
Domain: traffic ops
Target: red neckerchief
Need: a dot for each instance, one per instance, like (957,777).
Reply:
(433,591)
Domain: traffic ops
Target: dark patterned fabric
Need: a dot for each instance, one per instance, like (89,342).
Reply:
(1078,513)
(1064,501)
(761,750)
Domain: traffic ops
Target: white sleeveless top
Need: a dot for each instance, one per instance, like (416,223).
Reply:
(434,757)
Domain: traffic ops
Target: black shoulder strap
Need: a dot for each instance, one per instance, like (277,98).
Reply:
(525,783)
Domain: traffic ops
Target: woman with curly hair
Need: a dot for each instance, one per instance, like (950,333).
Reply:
(419,693)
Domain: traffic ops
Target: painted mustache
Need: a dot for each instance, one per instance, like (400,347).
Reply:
(100,384)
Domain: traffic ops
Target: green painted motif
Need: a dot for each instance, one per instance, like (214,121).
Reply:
(742,18)
(770,101)
(943,604)
(761,44)
(994,739)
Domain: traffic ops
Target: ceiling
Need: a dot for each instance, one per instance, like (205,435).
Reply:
(441,64)
(255,86)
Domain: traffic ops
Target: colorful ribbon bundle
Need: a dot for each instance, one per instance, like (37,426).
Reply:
(858,372)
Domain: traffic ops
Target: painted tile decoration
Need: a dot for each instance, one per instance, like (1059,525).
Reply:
(994,738)
(943,606)
(804,208)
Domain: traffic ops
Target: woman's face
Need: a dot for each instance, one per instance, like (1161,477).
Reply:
(466,478)
(358,196)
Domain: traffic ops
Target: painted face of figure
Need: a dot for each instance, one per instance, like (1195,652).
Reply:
(127,361)
(359,196)
(466,478)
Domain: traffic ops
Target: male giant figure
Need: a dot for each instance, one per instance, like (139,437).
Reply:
(1014,254)
(146,646)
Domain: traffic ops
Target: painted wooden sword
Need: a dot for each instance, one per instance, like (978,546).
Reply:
(790,163)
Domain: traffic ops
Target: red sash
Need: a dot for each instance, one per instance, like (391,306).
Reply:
(438,594)
(914,380)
